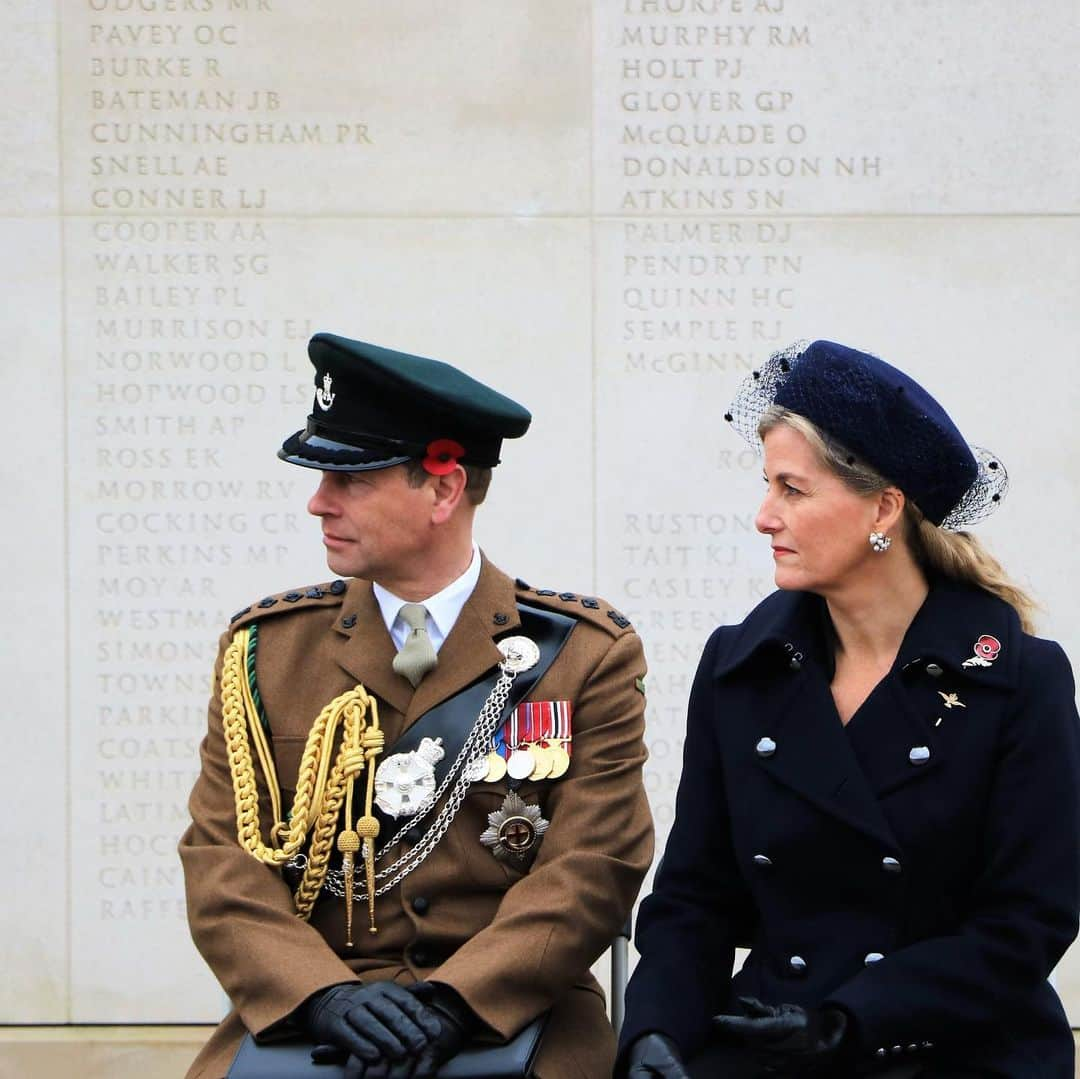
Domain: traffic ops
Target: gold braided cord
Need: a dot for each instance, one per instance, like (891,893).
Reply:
(320,787)
(262,747)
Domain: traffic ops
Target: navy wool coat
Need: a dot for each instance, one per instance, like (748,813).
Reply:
(918,868)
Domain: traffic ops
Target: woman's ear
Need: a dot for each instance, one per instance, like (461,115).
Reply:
(890,509)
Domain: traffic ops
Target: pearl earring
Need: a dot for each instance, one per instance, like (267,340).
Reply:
(880,542)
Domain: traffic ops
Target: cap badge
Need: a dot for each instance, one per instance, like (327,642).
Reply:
(951,700)
(514,829)
(323,394)
(986,651)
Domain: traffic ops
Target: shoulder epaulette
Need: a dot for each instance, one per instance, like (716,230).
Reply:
(591,608)
(316,595)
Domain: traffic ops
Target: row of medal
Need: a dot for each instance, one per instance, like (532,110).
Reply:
(534,743)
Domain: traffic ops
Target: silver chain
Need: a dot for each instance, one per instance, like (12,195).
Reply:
(474,745)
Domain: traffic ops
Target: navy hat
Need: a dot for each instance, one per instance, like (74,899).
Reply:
(883,417)
(375,408)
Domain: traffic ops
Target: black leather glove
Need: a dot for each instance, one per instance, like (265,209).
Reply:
(379,1022)
(804,1040)
(457,1022)
(653,1055)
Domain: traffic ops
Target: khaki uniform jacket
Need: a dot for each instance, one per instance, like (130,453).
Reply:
(513,942)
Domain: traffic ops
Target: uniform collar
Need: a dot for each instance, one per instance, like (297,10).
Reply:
(953,617)
(443,608)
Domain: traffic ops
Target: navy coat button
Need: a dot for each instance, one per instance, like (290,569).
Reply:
(934,670)
(919,755)
(420,905)
(912,1048)
(421,958)
(797,965)
(795,665)
(871,958)
(880,1053)
(414,835)
(766,747)
(890,865)
(762,860)
(897,1048)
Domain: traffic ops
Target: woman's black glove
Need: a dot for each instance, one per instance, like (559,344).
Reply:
(654,1055)
(805,1041)
(379,1023)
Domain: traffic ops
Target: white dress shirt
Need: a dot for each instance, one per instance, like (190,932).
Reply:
(443,608)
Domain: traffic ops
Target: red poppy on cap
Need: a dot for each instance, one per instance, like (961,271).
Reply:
(442,456)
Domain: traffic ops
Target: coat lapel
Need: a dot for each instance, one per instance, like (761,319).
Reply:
(814,758)
(365,650)
(887,730)
(785,640)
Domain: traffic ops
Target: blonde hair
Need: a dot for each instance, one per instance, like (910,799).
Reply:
(958,556)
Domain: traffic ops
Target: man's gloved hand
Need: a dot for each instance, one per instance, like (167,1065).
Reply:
(379,1022)
(804,1039)
(654,1055)
(457,1021)
(437,1011)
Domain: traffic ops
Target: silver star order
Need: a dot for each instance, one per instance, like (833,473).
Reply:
(952,700)
(512,806)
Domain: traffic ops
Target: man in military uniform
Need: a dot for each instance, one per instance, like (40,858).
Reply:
(420,816)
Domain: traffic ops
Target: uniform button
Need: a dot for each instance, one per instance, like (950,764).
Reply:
(890,865)
(871,958)
(766,747)
(880,1053)
(421,957)
(420,905)
(414,835)
(928,1045)
(897,1048)
(912,1048)
(762,860)
(797,965)
(934,670)
(795,665)
(919,755)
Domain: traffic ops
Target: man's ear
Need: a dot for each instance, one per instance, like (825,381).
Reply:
(448,492)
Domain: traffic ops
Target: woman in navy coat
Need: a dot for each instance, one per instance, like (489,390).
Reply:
(879,789)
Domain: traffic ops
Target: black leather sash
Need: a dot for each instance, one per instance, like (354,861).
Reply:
(454,718)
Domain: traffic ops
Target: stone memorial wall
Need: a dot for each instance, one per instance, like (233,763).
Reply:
(610,210)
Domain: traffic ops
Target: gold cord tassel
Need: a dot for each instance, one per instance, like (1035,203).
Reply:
(348,843)
(368,827)
(320,788)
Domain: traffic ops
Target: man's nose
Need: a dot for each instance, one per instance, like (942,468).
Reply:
(321,503)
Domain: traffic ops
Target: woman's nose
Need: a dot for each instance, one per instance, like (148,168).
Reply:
(765,521)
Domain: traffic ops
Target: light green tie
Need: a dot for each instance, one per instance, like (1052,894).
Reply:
(417,656)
